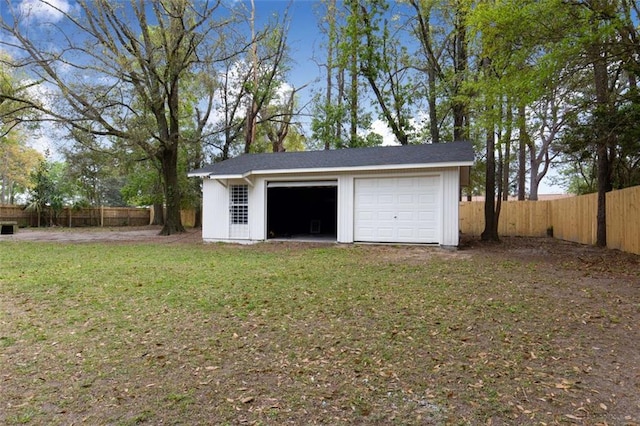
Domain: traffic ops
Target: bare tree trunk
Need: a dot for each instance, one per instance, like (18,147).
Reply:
(423,11)
(341,79)
(353,97)
(460,110)
(602,102)
(506,158)
(172,196)
(252,109)
(158,214)
(490,232)
(433,112)
(331,10)
(522,152)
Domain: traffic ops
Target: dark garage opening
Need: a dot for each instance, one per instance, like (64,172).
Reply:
(302,212)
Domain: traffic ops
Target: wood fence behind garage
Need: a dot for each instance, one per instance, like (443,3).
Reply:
(98,216)
(571,219)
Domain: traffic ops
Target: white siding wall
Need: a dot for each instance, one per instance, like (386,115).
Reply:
(215,211)
(450,207)
(258,210)
(345,209)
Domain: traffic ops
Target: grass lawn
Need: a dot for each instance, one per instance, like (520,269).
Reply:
(123,334)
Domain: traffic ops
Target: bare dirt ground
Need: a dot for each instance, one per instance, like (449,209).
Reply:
(104,235)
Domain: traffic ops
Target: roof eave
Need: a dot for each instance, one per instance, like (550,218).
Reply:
(388,167)
(198,174)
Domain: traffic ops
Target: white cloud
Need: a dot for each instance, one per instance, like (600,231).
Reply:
(44,10)
(283,93)
(381,128)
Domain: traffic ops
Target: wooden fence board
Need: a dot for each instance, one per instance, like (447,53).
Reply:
(572,219)
(106,216)
(623,220)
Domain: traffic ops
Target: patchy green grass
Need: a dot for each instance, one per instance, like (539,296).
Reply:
(300,334)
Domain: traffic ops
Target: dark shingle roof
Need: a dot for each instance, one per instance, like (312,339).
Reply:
(453,152)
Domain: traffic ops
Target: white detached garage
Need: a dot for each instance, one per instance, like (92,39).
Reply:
(399,194)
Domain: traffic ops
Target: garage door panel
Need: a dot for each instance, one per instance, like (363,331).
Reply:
(385,183)
(401,209)
(366,215)
(385,199)
(366,198)
(426,215)
(405,232)
(406,199)
(367,232)
(383,216)
(406,216)
(384,232)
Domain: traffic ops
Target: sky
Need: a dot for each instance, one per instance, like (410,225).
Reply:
(305,42)
(304,38)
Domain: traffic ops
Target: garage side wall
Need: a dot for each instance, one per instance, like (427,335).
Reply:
(215,211)
(258,210)
(345,208)
(450,207)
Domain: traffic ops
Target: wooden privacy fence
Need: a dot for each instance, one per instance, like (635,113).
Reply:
(99,216)
(571,219)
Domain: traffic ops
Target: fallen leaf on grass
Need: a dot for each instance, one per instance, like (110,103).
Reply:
(564,384)
(572,417)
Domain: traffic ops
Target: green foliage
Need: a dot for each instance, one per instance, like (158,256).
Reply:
(48,191)
(579,148)
(325,121)
(95,170)
(17,162)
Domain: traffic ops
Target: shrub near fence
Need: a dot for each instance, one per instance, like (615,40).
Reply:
(100,216)
(572,219)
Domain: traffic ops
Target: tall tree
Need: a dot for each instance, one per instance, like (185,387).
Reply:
(605,39)
(17,123)
(268,60)
(328,108)
(491,215)
(459,96)
(433,67)
(14,113)
(95,172)
(17,162)
(135,50)
(385,65)
(349,57)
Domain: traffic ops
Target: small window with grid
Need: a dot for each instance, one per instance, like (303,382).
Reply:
(239,204)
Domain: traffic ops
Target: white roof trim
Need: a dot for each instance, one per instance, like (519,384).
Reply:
(202,174)
(300,183)
(389,167)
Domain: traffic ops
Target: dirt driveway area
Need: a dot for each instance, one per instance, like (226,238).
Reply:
(111,234)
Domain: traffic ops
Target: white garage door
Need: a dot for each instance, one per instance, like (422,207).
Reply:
(398,210)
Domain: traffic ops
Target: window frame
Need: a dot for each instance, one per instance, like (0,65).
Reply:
(238,204)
